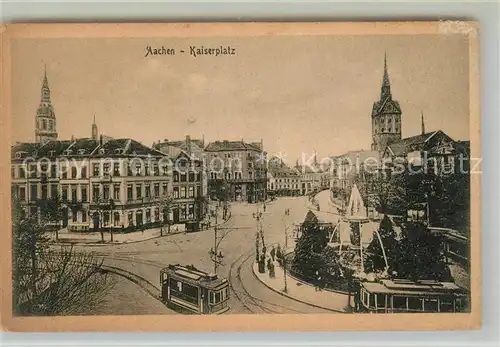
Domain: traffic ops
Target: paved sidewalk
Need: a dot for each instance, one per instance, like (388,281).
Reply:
(94,239)
(301,291)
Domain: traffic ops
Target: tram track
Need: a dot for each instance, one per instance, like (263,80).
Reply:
(249,301)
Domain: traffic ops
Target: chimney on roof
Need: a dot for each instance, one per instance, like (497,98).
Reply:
(100,140)
(72,137)
(166,140)
(203,139)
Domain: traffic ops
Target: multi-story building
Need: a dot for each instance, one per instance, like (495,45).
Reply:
(113,183)
(189,181)
(236,171)
(346,168)
(283,180)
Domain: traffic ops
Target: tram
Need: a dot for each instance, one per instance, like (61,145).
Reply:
(398,295)
(194,290)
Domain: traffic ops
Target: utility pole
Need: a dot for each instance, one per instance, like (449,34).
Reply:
(284,259)
(284,271)
(215,255)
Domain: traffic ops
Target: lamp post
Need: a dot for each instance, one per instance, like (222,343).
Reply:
(111,203)
(285,290)
(142,216)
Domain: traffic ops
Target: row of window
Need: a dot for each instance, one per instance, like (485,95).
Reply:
(186,192)
(230,176)
(284,186)
(150,190)
(219,296)
(387,124)
(62,172)
(408,303)
(46,124)
(104,192)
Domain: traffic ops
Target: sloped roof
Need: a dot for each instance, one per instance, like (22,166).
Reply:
(220,146)
(54,148)
(413,143)
(126,146)
(84,146)
(27,147)
(181,144)
(380,106)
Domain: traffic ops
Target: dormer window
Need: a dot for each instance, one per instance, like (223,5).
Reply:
(20,154)
(52,153)
(102,150)
(81,151)
(119,151)
(68,152)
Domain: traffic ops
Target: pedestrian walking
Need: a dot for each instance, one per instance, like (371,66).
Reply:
(279,255)
(273,253)
(270,268)
(318,277)
(264,207)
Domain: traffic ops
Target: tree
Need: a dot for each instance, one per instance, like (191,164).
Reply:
(395,193)
(420,256)
(375,255)
(51,280)
(164,205)
(51,212)
(348,262)
(307,259)
(450,201)
(101,205)
(331,267)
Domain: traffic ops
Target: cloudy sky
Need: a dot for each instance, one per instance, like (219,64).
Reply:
(298,94)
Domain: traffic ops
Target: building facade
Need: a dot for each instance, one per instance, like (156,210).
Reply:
(189,180)
(237,171)
(109,183)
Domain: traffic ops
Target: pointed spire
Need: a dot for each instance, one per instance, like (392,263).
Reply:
(94,130)
(45,86)
(423,123)
(386,85)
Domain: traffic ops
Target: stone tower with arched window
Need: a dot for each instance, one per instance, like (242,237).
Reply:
(386,116)
(45,127)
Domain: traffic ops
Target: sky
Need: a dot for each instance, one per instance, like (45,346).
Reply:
(298,94)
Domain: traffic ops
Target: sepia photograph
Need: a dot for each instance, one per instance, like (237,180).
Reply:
(184,170)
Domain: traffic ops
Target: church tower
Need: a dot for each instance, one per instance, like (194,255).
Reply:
(45,127)
(386,116)
(94,131)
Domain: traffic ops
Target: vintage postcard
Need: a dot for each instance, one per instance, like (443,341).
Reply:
(241,176)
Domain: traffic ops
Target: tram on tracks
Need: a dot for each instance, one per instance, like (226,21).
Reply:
(398,295)
(194,290)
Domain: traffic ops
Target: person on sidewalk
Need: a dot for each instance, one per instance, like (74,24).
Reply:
(273,253)
(318,283)
(270,268)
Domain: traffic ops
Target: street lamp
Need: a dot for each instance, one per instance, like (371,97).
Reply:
(285,290)
(215,255)
(111,204)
